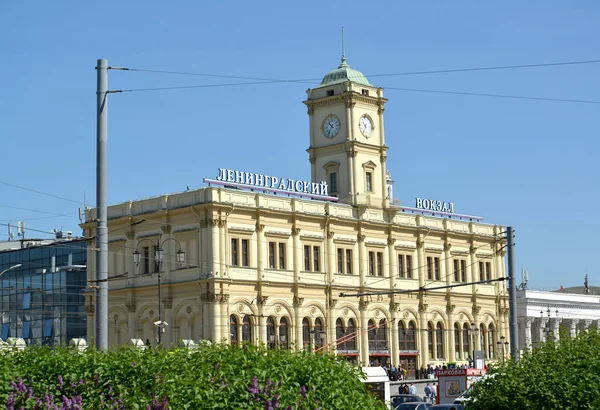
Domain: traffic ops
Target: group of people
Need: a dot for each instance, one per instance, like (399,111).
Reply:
(395,373)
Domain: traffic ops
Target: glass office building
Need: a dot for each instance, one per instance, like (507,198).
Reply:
(42,300)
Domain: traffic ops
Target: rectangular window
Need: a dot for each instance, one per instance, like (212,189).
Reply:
(234,252)
(401,272)
(26,334)
(272,255)
(245,259)
(282,256)
(380,263)
(306,258)
(436,267)
(372,263)
(364,92)
(27,300)
(349,261)
(463,270)
(329,93)
(429,268)
(146,259)
(316,256)
(48,327)
(369,181)
(340,260)
(333,186)
(481,271)
(456,271)
(488,271)
(5,332)
(409,272)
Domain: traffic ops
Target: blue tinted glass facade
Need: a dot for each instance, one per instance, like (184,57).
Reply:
(42,305)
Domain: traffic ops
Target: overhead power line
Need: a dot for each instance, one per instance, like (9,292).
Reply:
(41,192)
(441,71)
(517,97)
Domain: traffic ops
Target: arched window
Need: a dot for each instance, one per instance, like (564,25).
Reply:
(271,342)
(411,336)
(465,341)
(439,340)
(490,341)
(351,331)
(305,333)
(382,334)
(319,333)
(372,334)
(456,341)
(430,340)
(247,329)
(284,337)
(339,334)
(233,329)
(402,336)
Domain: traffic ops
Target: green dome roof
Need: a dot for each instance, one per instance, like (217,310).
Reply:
(344,73)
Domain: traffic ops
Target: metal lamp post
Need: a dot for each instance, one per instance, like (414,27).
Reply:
(321,338)
(158,260)
(472,331)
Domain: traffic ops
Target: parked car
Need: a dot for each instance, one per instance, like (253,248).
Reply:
(447,407)
(405,398)
(415,405)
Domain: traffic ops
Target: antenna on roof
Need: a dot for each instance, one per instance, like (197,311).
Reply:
(586,285)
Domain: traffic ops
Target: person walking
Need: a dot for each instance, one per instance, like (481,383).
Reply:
(427,390)
(412,389)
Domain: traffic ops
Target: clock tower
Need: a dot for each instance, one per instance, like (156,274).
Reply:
(347,142)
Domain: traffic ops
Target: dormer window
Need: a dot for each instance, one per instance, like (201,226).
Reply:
(365,92)
(330,93)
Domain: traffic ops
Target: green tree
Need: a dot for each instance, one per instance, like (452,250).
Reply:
(556,375)
(209,377)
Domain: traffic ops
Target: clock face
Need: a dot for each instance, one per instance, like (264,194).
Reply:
(365,125)
(331,126)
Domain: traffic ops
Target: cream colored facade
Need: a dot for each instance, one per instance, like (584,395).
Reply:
(270,269)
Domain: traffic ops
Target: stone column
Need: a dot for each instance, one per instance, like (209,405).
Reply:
(393,262)
(362,259)
(297,303)
(298,318)
(214,246)
(395,347)
(528,343)
(132,318)
(364,334)
(168,335)
(476,310)
(424,348)
(421,261)
(216,318)
(451,342)
(448,272)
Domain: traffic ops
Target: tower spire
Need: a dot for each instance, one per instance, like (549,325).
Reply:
(343,54)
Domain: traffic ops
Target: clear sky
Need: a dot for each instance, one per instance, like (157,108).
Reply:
(526,163)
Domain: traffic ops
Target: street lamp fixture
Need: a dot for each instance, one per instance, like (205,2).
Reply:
(502,344)
(158,259)
(18,265)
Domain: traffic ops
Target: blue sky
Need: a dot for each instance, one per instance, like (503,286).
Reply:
(530,164)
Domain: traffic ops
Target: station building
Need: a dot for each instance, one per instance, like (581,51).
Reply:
(303,265)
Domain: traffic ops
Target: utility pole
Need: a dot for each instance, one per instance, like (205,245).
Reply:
(512,295)
(101,212)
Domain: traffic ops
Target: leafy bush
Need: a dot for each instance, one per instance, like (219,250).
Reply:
(564,375)
(215,377)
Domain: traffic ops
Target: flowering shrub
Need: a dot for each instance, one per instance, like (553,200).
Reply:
(212,376)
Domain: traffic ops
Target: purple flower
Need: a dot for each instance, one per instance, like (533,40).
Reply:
(216,365)
(303,391)
(253,389)
(60,380)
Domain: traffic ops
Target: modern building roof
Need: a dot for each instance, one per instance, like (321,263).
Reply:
(344,73)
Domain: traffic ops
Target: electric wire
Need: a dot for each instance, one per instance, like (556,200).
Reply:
(41,192)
